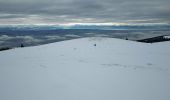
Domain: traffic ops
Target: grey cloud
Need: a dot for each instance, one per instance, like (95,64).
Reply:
(1,42)
(6,40)
(28,39)
(72,35)
(5,37)
(49,11)
(101,35)
(25,38)
(9,16)
(54,37)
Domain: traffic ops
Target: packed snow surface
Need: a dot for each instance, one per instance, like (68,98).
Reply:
(113,69)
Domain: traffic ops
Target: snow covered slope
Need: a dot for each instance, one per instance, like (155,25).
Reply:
(114,69)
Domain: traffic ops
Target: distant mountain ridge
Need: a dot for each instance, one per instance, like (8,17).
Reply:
(155,39)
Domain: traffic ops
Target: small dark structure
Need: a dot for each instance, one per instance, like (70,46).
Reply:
(22,45)
(94,44)
(155,39)
(127,38)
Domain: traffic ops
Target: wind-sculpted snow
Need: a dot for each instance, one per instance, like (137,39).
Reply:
(86,69)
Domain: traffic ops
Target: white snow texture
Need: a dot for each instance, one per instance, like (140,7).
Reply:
(76,69)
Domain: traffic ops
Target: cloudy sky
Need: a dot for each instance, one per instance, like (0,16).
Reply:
(84,11)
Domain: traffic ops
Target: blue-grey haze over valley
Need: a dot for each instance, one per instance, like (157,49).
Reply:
(14,36)
(34,22)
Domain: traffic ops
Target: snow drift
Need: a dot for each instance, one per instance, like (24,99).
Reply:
(114,69)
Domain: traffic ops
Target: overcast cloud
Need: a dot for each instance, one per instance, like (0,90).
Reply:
(84,11)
